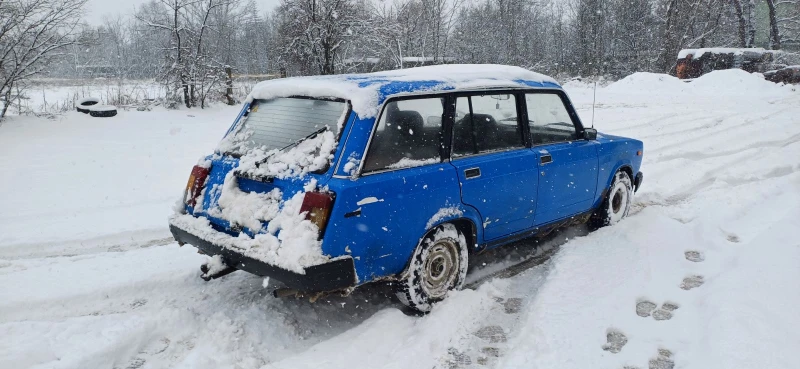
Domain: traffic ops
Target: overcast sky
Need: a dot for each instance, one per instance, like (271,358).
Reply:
(97,10)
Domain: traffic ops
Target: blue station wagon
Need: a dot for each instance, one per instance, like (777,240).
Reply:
(326,183)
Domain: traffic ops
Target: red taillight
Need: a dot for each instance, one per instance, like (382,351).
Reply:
(195,184)
(318,207)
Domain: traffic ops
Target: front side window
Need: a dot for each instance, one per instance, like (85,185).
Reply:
(486,123)
(408,135)
(548,119)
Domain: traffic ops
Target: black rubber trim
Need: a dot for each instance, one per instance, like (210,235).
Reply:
(332,276)
(540,230)
(638,181)
(355,213)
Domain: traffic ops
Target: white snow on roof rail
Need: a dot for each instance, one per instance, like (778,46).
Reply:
(363,90)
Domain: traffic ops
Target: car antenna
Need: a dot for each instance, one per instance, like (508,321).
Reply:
(594,99)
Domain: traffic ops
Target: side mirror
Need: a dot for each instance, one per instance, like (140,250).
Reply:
(589,134)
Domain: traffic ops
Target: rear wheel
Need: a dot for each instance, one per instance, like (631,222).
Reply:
(439,265)
(618,202)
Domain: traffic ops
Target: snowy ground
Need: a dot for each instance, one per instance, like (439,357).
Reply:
(91,279)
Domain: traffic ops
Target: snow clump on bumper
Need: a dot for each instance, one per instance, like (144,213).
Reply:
(291,241)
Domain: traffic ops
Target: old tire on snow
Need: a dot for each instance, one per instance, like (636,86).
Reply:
(84,104)
(438,265)
(102,111)
(617,203)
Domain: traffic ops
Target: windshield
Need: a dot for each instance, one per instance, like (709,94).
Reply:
(281,122)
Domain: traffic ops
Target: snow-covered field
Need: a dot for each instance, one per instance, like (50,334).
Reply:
(703,274)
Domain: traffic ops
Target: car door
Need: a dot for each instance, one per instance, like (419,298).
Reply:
(568,165)
(498,174)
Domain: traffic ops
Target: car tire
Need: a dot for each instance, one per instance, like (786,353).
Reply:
(438,266)
(102,111)
(84,104)
(617,203)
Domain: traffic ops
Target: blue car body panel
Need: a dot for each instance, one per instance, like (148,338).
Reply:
(504,192)
(379,218)
(568,184)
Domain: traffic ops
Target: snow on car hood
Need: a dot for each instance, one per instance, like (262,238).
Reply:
(364,90)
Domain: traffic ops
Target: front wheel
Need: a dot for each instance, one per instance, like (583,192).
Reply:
(439,265)
(618,202)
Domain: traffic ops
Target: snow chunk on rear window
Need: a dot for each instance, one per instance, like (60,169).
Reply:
(286,137)
(281,123)
(311,155)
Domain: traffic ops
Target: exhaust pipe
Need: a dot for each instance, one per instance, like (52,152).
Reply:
(207,277)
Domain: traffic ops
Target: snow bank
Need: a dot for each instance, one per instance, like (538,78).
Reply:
(736,82)
(363,90)
(647,82)
(733,82)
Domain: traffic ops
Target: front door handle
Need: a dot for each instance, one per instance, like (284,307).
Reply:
(472,173)
(545,159)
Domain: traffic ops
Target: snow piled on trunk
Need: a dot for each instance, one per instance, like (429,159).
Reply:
(246,209)
(363,90)
(290,242)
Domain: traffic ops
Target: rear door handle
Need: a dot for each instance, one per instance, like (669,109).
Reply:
(472,173)
(545,159)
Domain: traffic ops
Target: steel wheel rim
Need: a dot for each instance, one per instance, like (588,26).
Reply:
(616,202)
(440,269)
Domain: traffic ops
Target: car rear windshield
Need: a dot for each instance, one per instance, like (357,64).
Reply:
(282,122)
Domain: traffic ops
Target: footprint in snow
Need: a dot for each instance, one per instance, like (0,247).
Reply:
(138,303)
(492,333)
(512,305)
(457,359)
(692,281)
(615,341)
(646,308)
(487,353)
(663,360)
(694,256)
(733,238)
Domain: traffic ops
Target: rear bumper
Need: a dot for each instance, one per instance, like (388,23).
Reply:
(335,275)
(637,182)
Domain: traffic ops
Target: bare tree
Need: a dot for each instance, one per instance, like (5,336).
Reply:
(312,33)
(32,34)
(774,34)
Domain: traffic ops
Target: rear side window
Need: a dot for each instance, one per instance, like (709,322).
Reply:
(486,123)
(548,119)
(281,122)
(408,135)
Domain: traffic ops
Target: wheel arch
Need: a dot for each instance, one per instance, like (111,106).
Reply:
(464,224)
(622,166)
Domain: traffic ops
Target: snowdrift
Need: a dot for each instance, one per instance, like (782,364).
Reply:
(733,82)
(647,82)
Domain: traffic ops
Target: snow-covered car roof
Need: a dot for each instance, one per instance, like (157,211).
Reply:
(368,91)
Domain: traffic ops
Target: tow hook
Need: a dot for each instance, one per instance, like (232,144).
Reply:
(206,276)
